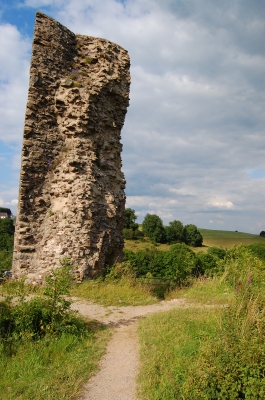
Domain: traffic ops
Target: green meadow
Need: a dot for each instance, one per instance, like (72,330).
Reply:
(211,349)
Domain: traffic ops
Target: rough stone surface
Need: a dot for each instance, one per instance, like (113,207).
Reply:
(71,197)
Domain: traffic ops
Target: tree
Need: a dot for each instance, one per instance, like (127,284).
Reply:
(192,236)
(130,218)
(262,233)
(174,232)
(7,226)
(130,230)
(153,228)
(6,210)
(6,242)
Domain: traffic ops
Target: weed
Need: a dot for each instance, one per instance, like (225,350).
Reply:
(88,60)
(35,318)
(77,84)
(53,351)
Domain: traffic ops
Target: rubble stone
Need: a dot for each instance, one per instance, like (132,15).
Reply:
(71,197)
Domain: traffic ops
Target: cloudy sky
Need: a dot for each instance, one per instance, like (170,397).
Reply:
(194,135)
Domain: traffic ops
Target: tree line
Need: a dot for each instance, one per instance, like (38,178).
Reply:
(153,228)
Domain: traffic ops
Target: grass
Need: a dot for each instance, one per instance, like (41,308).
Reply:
(209,352)
(228,239)
(169,345)
(208,291)
(120,293)
(224,239)
(135,245)
(52,368)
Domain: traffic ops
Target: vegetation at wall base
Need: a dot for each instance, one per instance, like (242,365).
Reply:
(46,350)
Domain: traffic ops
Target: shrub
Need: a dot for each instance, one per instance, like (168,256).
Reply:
(232,366)
(141,260)
(130,234)
(33,319)
(177,264)
(206,263)
(217,252)
(180,262)
(153,228)
(258,249)
(240,265)
(192,236)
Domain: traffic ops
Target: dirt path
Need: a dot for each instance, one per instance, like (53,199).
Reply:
(118,369)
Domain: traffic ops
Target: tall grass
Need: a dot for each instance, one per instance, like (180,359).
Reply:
(170,342)
(207,291)
(209,354)
(52,369)
(122,292)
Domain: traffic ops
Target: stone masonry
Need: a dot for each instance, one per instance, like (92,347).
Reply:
(71,197)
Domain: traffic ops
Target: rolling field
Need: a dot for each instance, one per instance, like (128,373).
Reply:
(224,239)
(228,239)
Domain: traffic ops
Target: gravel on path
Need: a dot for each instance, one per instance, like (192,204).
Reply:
(119,367)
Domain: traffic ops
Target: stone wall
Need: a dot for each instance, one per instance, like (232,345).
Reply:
(71,197)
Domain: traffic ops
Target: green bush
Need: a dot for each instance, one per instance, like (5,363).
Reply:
(217,252)
(239,266)
(206,263)
(130,234)
(232,366)
(258,249)
(32,319)
(177,264)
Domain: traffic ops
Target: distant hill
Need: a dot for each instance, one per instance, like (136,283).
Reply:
(225,239)
(228,239)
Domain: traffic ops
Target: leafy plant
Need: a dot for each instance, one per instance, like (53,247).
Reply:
(32,319)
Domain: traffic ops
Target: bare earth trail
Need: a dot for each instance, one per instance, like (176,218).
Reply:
(118,369)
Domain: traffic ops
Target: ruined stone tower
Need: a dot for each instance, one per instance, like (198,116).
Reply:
(71,196)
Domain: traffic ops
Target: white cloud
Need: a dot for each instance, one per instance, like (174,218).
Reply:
(14,61)
(194,132)
(13,202)
(221,204)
